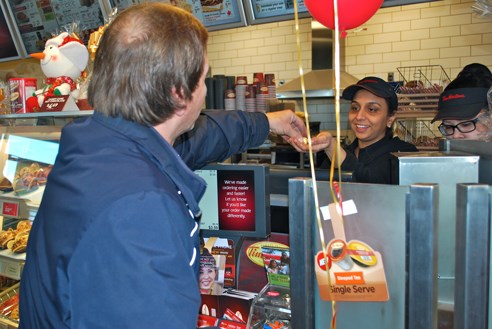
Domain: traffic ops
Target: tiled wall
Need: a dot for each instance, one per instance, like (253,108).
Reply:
(445,33)
(268,48)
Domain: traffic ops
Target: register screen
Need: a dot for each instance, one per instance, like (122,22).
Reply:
(229,201)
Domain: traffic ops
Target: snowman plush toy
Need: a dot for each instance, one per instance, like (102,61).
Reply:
(63,60)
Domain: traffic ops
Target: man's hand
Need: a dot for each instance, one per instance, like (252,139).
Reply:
(287,125)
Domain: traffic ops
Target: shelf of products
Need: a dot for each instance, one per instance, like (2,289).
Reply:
(418,98)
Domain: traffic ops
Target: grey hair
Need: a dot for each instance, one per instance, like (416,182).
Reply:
(148,51)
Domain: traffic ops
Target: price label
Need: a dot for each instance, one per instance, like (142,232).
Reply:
(10,209)
(54,103)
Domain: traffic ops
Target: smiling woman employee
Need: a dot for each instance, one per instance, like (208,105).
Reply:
(371,115)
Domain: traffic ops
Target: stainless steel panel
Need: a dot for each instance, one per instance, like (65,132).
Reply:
(301,236)
(445,169)
(482,149)
(381,222)
(422,217)
(472,256)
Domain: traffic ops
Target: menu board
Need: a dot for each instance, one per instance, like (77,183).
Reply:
(39,20)
(214,14)
(264,11)
(122,4)
(9,36)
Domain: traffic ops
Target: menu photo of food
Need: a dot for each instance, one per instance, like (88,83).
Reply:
(212,5)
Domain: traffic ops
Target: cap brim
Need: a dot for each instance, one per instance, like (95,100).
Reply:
(350,91)
(459,112)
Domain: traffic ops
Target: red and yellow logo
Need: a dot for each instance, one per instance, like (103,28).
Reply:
(254,251)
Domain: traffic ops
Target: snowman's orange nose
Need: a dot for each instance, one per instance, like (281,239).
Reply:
(38,55)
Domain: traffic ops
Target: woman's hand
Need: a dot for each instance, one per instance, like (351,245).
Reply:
(324,140)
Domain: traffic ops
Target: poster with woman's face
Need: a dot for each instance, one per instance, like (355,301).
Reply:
(211,275)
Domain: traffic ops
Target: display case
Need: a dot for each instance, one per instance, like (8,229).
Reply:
(270,308)
(28,148)
(9,308)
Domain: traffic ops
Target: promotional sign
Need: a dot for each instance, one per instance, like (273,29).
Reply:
(229,203)
(277,265)
(58,103)
(355,270)
(224,251)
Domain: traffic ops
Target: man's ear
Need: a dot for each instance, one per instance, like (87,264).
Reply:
(181,110)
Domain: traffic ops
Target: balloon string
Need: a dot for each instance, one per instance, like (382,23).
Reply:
(335,185)
(311,158)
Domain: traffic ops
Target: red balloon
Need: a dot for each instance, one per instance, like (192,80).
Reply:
(351,13)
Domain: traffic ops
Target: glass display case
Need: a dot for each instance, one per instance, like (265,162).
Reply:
(28,149)
(270,308)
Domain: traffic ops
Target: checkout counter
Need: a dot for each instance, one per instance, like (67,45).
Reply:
(432,230)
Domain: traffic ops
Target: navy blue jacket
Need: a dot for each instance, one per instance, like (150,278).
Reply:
(115,241)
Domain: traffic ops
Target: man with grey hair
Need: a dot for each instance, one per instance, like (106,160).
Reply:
(115,240)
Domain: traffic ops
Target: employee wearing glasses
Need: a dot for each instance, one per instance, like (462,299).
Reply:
(463,107)
(464,113)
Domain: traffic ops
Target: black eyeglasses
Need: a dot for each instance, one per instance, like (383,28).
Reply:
(463,127)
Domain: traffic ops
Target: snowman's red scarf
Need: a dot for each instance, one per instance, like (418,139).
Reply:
(56,82)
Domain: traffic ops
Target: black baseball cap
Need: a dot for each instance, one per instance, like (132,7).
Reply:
(378,87)
(461,103)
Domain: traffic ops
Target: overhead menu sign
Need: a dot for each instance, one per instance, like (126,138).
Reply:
(40,20)
(214,14)
(272,8)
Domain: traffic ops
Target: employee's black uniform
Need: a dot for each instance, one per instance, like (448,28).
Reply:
(374,164)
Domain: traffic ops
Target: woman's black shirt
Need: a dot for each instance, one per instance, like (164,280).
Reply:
(375,163)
